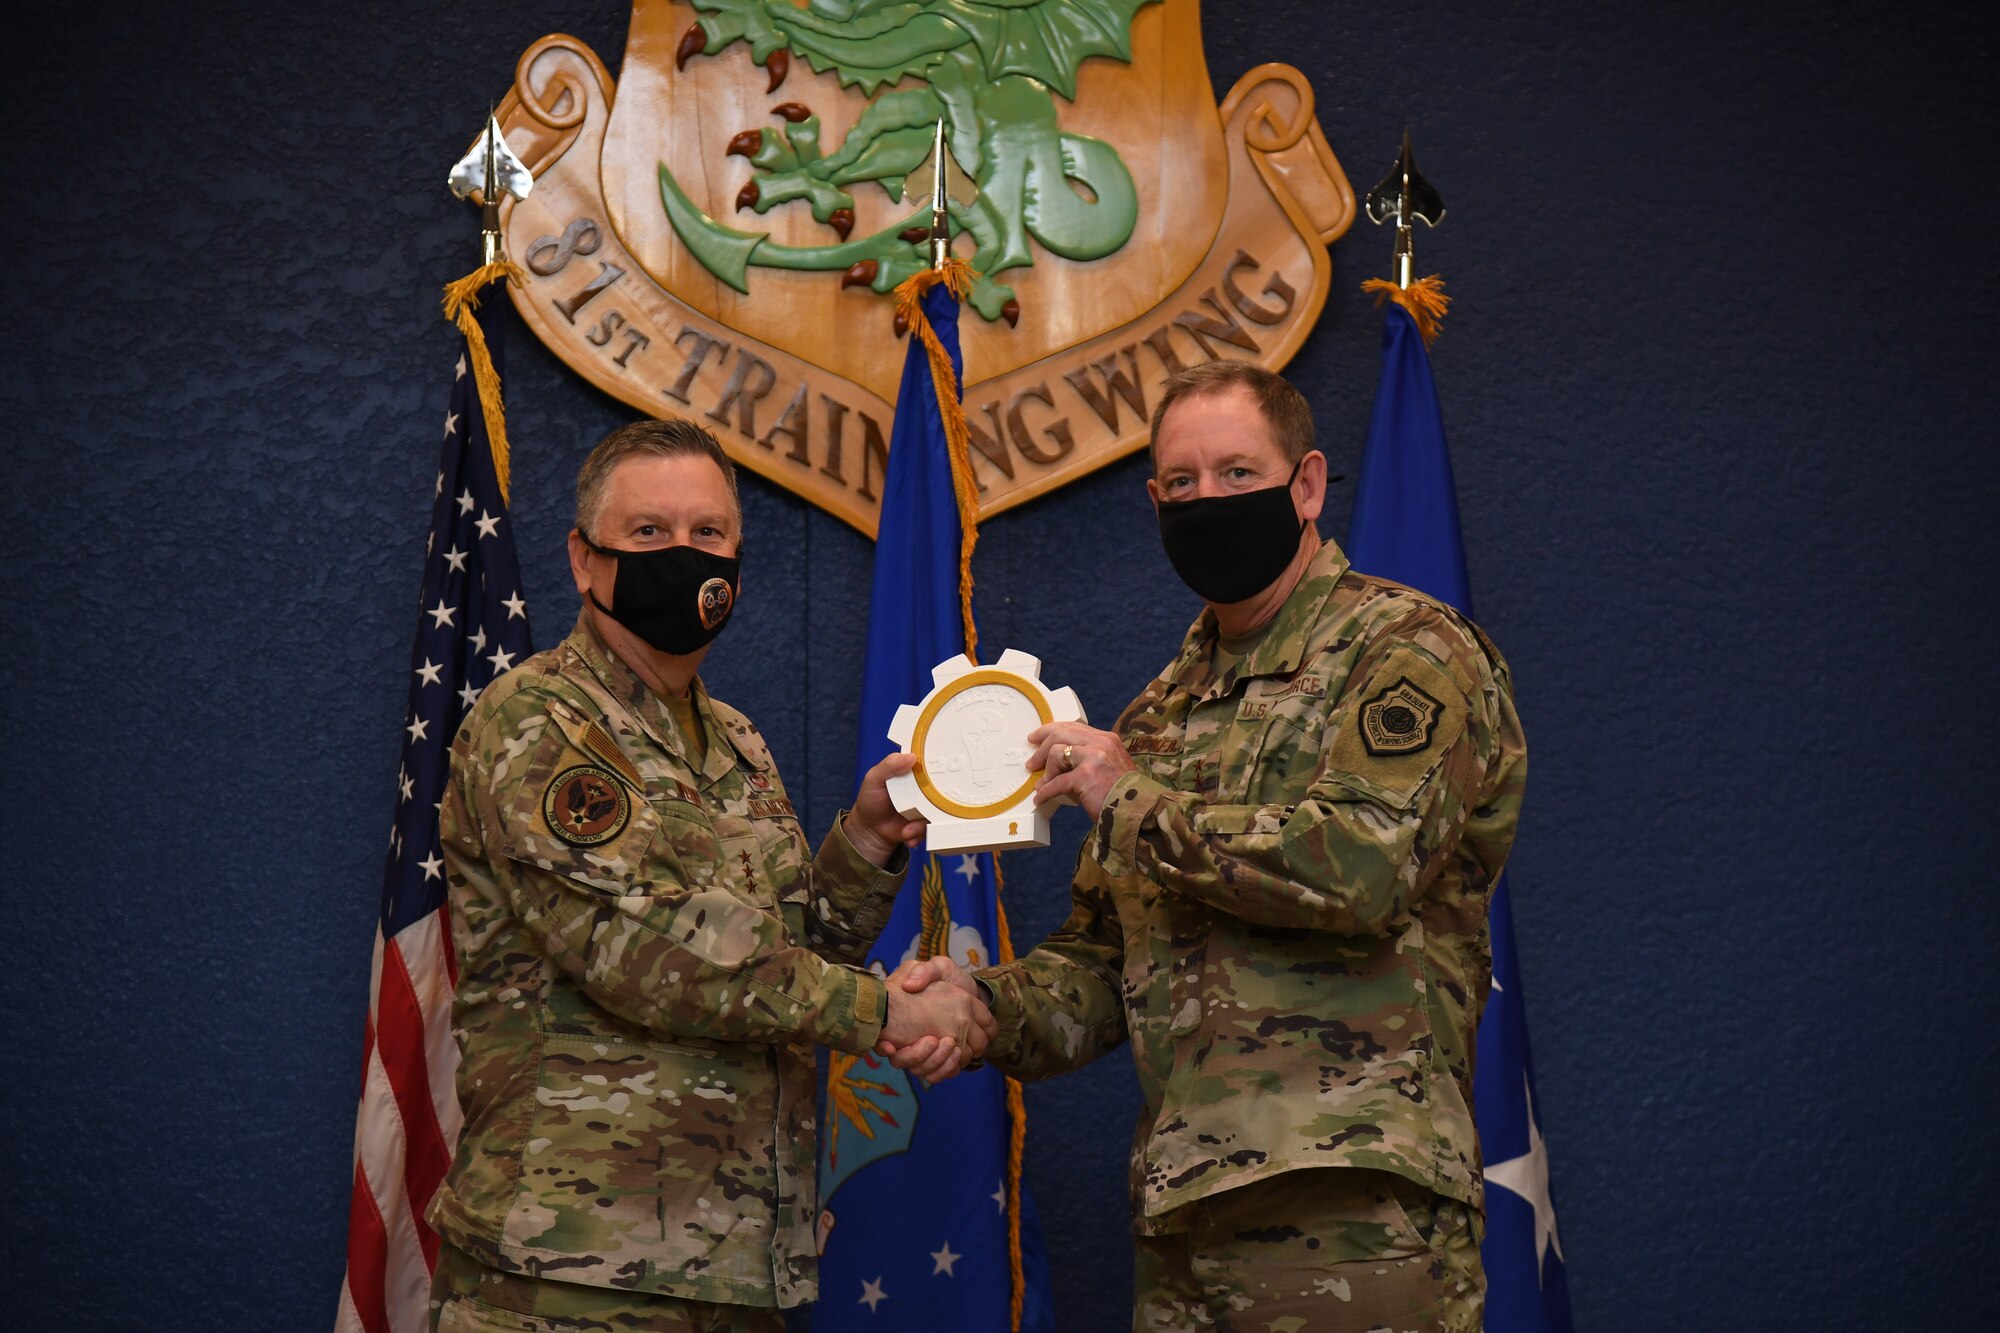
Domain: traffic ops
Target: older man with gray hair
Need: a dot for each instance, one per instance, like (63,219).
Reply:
(648,950)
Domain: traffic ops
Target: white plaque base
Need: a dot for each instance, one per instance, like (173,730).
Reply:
(990,835)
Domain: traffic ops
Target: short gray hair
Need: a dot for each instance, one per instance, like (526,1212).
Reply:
(669,438)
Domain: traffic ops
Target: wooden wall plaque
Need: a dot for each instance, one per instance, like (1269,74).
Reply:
(716,233)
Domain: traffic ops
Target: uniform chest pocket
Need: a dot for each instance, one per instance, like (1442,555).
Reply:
(689,846)
(762,859)
(1156,744)
(783,845)
(1282,724)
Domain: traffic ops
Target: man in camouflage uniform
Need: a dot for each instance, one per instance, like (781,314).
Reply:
(648,950)
(1283,904)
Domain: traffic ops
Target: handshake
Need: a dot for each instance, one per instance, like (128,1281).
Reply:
(938,1022)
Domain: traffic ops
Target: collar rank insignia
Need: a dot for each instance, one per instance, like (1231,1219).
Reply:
(585,806)
(1400,720)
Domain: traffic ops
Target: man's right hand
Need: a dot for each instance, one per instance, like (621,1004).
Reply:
(935,1053)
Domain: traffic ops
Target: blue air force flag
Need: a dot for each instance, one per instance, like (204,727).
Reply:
(1405,528)
(914,1179)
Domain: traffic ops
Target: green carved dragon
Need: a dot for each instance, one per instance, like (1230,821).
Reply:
(989,68)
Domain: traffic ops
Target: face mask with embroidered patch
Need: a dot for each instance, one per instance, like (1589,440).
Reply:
(675,598)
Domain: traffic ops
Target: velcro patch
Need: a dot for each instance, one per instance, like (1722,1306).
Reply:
(1401,719)
(771,808)
(586,805)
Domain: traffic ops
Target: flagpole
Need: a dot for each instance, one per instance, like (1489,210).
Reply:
(956,277)
(474,627)
(1405,527)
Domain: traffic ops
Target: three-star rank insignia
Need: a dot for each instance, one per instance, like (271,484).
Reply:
(1400,720)
(585,806)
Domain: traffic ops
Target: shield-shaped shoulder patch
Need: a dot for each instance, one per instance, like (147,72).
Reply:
(1399,720)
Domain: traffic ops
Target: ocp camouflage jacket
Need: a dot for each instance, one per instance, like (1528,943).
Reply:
(1285,906)
(644,949)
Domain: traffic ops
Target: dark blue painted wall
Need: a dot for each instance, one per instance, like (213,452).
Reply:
(1717,384)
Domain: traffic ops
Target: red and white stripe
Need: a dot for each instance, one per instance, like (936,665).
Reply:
(404,1132)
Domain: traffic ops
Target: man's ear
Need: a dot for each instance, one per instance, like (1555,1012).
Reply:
(579,562)
(1309,491)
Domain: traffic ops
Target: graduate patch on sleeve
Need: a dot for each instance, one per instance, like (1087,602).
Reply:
(1401,719)
(1406,717)
(585,806)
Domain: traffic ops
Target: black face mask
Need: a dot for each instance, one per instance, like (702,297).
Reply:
(676,598)
(1230,547)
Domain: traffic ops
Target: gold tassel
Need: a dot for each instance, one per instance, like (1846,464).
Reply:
(1424,299)
(934,935)
(1017,1122)
(461,298)
(957,276)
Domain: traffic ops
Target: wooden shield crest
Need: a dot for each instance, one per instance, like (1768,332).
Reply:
(717,235)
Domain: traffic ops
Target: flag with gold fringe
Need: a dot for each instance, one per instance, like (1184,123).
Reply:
(472,625)
(924,1223)
(1405,527)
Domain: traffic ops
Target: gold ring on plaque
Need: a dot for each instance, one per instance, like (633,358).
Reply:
(937,701)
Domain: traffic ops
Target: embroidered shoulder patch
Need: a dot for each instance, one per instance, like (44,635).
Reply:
(585,805)
(1399,720)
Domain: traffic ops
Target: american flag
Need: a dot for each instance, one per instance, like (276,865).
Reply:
(472,626)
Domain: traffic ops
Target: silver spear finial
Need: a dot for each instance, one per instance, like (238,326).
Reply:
(1405,194)
(491,170)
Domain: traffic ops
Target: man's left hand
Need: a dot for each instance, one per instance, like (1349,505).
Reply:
(874,825)
(1079,762)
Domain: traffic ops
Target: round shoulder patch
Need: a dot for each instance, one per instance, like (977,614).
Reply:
(585,805)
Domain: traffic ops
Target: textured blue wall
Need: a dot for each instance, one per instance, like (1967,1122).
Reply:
(1716,381)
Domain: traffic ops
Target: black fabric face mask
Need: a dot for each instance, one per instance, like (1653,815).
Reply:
(1230,547)
(676,598)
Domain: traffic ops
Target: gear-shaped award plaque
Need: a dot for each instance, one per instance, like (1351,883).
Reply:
(970,737)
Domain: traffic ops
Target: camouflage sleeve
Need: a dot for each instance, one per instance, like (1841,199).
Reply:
(850,897)
(628,903)
(1061,1006)
(1397,764)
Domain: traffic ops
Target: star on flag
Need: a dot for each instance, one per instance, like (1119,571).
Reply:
(1528,1177)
